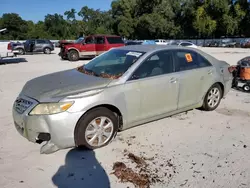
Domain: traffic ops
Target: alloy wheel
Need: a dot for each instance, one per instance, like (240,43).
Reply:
(99,131)
(213,97)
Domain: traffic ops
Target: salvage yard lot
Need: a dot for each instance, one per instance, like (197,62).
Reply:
(193,149)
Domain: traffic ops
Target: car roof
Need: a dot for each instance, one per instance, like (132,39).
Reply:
(154,48)
(151,47)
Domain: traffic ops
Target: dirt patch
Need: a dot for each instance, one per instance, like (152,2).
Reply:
(233,112)
(146,171)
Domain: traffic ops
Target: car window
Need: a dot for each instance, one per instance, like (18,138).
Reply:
(100,40)
(89,40)
(185,60)
(158,64)
(185,44)
(203,62)
(115,40)
(40,41)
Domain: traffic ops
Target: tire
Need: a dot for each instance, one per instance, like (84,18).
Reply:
(207,104)
(21,51)
(73,55)
(86,123)
(246,87)
(47,51)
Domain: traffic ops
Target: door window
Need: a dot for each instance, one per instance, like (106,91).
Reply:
(186,44)
(100,40)
(203,62)
(89,40)
(40,42)
(188,60)
(185,60)
(158,64)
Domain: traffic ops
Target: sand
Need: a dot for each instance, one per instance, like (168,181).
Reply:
(207,149)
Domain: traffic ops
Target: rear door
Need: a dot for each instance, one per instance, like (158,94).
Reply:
(186,64)
(100,44)
(88,47)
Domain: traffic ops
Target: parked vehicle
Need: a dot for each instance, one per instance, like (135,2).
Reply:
(132,42)
(184,43)
(117,90)
(161,42)
(4,51)
(91,46)
(33,45)
(227,43)
(148,42)
(16,46)
(245,43)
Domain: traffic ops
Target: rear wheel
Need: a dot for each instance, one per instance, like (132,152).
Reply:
(246,87)
(21,51)
(212,98)
(96,128)
(47,51)
(73,55)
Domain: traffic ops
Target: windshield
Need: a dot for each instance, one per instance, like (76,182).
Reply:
(79,40)
(113,64)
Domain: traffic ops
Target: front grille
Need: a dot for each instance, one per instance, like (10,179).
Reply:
(21,105)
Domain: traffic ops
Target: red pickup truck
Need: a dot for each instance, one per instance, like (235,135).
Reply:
(90,46)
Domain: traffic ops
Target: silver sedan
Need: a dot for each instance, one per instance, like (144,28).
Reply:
(117,90)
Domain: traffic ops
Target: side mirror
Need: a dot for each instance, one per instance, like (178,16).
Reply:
(83,43)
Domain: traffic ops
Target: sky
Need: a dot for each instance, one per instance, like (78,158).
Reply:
(35,10)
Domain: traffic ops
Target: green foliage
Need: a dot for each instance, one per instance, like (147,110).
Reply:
(138,19)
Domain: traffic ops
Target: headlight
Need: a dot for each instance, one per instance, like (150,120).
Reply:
(51,108)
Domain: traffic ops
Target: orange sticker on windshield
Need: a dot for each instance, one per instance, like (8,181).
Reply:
(188,58)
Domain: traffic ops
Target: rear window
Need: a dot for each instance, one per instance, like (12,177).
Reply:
(115,40)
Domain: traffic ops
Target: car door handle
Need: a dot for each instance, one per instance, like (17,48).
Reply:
(173,80)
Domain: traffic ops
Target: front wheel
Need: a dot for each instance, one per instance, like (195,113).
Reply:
(246,87)
(73,55)
(96,128)
(212,98)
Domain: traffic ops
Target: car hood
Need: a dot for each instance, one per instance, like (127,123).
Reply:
(56,86)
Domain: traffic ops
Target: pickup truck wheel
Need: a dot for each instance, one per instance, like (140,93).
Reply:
(212,98)
(47,51)
(21,51)
(73,55)
(96,128)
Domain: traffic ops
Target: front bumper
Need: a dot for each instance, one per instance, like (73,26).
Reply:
(57,128)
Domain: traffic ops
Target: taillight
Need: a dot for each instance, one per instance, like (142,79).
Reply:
(9,46)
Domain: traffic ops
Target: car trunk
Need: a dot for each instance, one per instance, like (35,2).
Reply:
(224,69)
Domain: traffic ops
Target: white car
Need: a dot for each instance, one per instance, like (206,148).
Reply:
(187,44)
(161,42)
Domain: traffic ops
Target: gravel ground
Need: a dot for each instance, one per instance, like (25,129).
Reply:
(194,149)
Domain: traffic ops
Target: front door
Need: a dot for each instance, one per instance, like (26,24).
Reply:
(100,44)
(88,47)
(186,64)
(156,84)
